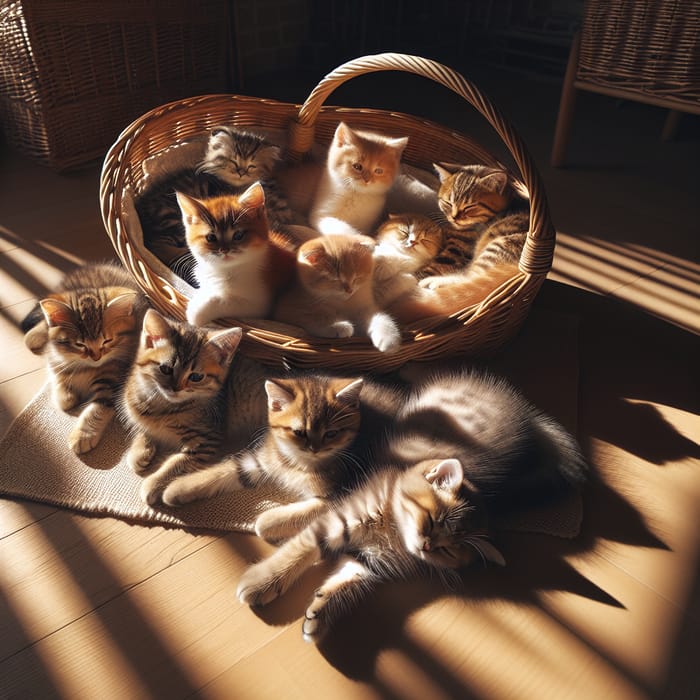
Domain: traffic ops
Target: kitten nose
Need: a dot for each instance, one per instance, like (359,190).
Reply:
(426,545)
(94,354)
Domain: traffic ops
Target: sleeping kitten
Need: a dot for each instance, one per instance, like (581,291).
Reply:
(465,451)
(491,222)
(361,168)
(240,265)
(88,329)
(312,420)
(233,161)
(175,398)
(332,295)
(406,243)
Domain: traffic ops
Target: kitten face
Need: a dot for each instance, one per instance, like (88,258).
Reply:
(313,419)
(472,194)
(222,230)
(337,265)
(91,327)
(437,519)
(181,362)
(239,158)
(364,160)
(413,235)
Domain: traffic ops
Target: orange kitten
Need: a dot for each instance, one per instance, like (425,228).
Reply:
(333,296)
(360,169)
(240,264)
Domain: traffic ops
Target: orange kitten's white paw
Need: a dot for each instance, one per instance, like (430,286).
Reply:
(257,587)
(384,333)
(434,282)
(342,329)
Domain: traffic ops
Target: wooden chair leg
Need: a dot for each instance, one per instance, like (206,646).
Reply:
(566,107)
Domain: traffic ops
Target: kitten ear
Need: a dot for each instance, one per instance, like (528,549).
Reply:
(224,344)
(57,312)
(442,172)
(498,179)
(490,553)
(189,206)
(350,393)
(278,397)
(155,329)
(447,475)
(253,197)
(311,255)
(123,304)
(398,144)
(344,135)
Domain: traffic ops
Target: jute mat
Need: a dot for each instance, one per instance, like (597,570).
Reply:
(36,463)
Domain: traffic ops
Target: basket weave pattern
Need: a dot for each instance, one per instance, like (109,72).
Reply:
(472,331)
(73,72)
(646,46)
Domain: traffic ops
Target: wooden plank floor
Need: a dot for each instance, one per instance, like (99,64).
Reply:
(99,608)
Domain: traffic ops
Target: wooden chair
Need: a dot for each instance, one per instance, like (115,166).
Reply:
(643,50)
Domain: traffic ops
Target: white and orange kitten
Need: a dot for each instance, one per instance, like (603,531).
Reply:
(333,296)
(361,168)
(239,264)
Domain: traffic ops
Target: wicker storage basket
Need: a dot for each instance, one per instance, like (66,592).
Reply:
(74,72)
(472,331)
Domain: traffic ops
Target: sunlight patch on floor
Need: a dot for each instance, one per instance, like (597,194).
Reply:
(663,285)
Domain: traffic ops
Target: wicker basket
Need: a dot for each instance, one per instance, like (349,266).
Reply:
(74,72)
(475,330)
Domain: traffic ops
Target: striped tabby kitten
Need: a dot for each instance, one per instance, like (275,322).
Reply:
(465,451)
(332,295)
(361,168)
(312,420)
(240,265)
(406,244)
(233,161)
(489,222)
(175,398)
(88,330)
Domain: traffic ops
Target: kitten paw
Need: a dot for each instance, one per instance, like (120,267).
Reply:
(152,490)
(140,455)
(433,282)
(256,590)
(65,400)
(176,494)
(342,329)
(82,441)
(314,627)
(384,333)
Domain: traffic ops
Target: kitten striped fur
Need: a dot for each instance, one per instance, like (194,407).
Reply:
(174,400)
(87,330)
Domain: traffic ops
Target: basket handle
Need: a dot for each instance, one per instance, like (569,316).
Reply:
(536,258)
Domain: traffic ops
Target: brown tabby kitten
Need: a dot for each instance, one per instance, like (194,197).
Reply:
(332,295)
(491,222)
(88,330)
(406,244)
(312,420)
(460,453)
(240,265)
(175,398)
(361,168)
(233,161)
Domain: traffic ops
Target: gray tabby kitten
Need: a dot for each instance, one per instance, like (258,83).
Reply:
(88,331)
(175,398)
(465,451)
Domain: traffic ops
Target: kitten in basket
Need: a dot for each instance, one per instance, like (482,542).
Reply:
(234,160)
(240,264)
(487,221)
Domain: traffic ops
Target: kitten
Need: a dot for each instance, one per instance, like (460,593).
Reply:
(175,398)
(312,419)
(490,222)
(240,265)
(88,330)
(406,243)
(332,295)
(361,168)
(465,451)
(234,160)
